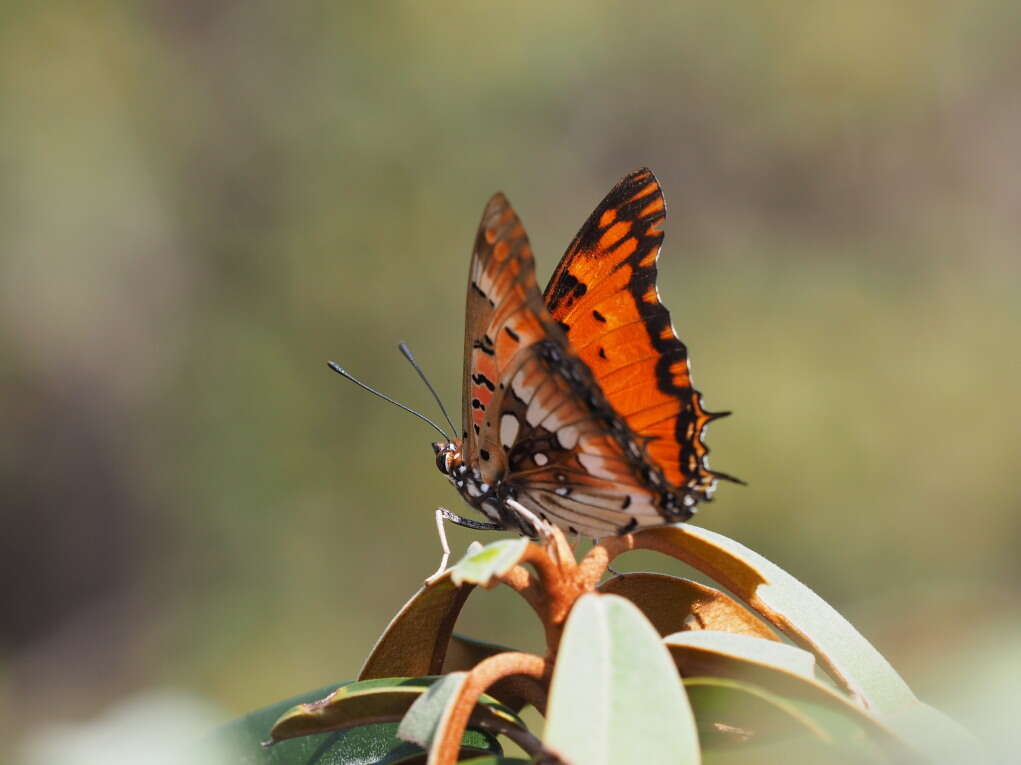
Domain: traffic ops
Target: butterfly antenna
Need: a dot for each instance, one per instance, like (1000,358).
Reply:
(344,373)
(407,354)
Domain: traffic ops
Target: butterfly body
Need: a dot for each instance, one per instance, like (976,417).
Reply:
(577,405)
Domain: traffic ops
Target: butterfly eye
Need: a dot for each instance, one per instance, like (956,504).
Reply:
(448,459)
(443,454)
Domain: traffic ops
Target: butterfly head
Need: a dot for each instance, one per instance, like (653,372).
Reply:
(448,456)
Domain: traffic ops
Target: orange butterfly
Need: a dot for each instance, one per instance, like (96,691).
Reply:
(578,406)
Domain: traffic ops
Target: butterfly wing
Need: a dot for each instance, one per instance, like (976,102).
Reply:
(603,293)
(535,421)
(502,320)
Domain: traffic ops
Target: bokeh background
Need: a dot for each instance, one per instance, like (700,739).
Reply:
(202,202)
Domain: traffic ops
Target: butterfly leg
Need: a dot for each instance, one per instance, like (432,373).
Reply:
(442,514)
(542,528)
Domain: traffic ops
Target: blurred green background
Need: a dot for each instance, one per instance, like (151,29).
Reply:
(202,202)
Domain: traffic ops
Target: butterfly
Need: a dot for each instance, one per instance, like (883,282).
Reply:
(578,406)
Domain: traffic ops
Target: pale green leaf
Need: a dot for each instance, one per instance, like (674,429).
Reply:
(616,696)
(431,709)
(780,656)
(493,560)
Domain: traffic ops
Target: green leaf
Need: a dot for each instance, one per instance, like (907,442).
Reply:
(782,670)
(481,566)
(791,607)
(428,718)
(811,622)
(731,712)
(376,743)
(673,604)
(698,648)
(383,699)
(380,700)
(938,738)
(415,642)
(616,696)
(431,710)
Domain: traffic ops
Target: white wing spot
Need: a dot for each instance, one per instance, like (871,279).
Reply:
(568,436)
(509,427)
(521,390)
(598,466)
(540,459)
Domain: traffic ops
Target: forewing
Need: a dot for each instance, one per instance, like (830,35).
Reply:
(603,293)
(503,319)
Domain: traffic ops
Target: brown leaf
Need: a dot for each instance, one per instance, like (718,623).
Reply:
(674,604)
(415,642)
